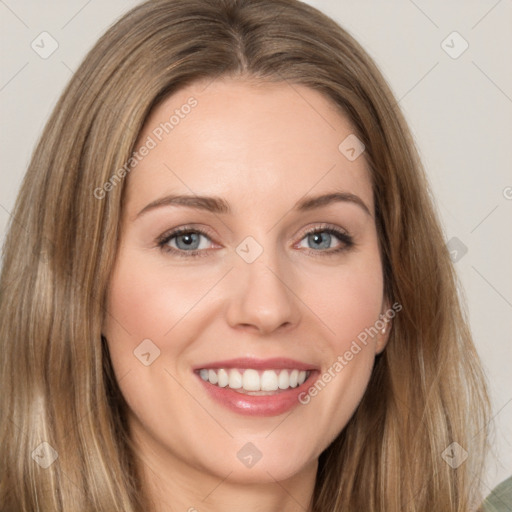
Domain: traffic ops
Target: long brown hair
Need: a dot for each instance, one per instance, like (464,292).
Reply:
(427,389)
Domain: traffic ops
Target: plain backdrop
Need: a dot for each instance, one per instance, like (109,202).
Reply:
(454,89)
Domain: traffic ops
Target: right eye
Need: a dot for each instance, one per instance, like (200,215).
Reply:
(184,242)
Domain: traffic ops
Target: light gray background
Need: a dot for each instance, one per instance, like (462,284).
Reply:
(460,111)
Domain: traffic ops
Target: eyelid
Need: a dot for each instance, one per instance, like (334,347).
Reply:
(321,226)
(344,237)
(170,233)
(165,238)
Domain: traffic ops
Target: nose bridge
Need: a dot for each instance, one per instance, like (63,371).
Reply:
(262,296)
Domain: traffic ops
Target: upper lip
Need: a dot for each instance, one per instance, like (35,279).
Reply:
(258,364)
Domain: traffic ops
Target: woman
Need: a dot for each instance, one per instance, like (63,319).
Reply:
(238,293)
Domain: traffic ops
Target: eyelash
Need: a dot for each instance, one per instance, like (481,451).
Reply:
(342,236)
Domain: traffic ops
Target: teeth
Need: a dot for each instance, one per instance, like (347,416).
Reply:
(250,380)
(269,380)
(283,380)
(293,378)
(223,378)
(212,377)
(253,380)
(235,379)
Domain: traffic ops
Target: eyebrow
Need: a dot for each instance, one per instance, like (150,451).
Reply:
(218,205)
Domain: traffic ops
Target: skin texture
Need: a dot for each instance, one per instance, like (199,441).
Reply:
(261,148)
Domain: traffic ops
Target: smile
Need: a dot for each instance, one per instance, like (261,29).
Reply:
(252,381)
(256,387)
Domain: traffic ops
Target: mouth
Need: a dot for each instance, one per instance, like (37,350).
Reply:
(255,382)
(256,387)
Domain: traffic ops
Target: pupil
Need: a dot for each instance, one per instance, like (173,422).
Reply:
(323,240)
(187,240)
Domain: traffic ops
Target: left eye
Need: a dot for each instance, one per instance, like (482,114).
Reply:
(321,239)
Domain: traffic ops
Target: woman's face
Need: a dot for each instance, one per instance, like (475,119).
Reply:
(265,270)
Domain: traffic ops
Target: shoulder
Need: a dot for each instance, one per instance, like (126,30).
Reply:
(500,499)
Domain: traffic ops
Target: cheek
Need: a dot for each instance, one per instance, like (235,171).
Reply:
(349,302)
(146,302)
(354,304)
(147,299)
(348,298)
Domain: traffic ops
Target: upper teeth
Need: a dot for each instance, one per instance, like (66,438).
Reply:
(252,380)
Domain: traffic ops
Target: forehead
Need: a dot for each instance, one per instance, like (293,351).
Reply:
(248,141)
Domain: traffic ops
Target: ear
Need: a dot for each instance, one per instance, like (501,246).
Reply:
(384,326)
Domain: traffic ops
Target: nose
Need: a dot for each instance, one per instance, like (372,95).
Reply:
(263,298)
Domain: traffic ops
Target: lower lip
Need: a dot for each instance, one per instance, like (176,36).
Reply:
(250,405)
